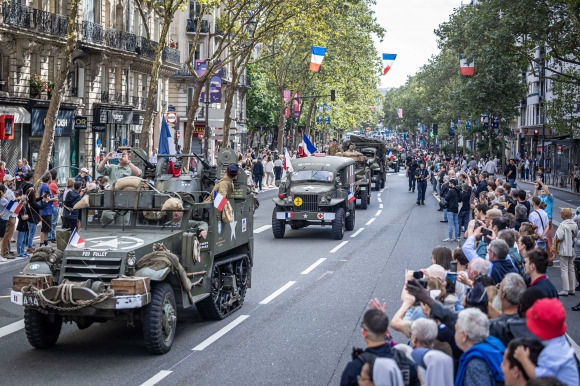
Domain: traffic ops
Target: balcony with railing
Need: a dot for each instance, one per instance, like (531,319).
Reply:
(191,26)
(183,71)
(35,20)
(138,102)
(171,55)
(122,40)
(144,49)
(92,33)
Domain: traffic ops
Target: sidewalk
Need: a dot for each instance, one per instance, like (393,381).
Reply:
(551,187)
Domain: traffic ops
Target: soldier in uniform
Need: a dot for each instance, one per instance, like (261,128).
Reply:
(334,148)
(421,175)
(412,166)
(351,147)
(225,186)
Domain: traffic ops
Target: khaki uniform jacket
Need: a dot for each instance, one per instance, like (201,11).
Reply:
(333,149)
(225,187)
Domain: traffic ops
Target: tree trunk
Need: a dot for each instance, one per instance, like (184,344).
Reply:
(281,123)
(57,94)
(153,87)
(490,149)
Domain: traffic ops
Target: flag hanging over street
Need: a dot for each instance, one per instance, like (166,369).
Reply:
(287,162)
(466,69)
(76,240)
(219,201)
(317,56)
(14,207)
(307,147)
(400,113)
(388,60)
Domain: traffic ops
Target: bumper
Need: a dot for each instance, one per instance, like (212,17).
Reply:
(306,216)
(119,302)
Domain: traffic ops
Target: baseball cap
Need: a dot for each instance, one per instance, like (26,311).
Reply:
(8,177)
(232,170)
(546,319)
(435,270)
(477,296)
(85,170)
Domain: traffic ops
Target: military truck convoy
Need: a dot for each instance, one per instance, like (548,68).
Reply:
(140,256)
(375,152)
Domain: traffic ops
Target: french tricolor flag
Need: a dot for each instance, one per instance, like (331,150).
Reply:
(76,240)
(14,207)
(388,59)
(351,197)
(219,201)
(317,56)
(289,214)
(307,147)
(466,69)
(288,162)
(390,155)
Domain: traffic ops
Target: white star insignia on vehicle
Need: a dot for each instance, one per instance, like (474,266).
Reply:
(305,215)
(233,230)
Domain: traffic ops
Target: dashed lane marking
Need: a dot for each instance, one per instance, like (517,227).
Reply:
(9,329)
(381,206)
(278,292)
(262,228)
(378,195)
(355,234)
(370,221)
(382,190)
(156,378)
(380,199)
(220,333)
(333,250)
(309,269)
(378,212)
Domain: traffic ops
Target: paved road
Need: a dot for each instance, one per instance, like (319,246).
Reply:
(299,322)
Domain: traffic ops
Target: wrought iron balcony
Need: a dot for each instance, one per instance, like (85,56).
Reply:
(171,55)
(183,71)
(144,49)
(36,20)
(138,102)
(92,33)
(121,40)
(116,98)
(191,26)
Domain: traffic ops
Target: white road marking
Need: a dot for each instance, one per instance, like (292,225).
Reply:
(382,190)
(370,221)
(262,228)
(275,294)
(156,378)
(9,329)
(381,206)
(378,212)
(338,246)
(402,175)
(355,234)
(380,199)
(309,269)
(378,195)
(220,333)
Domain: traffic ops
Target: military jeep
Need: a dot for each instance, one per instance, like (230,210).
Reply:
(319,191)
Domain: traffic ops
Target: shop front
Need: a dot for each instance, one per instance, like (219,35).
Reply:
(14,123)
(112,128)
(65,143)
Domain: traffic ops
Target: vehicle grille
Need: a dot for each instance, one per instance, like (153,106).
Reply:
(309,203)
(95,268)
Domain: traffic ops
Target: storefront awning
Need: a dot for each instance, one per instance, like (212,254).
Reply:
(21,115)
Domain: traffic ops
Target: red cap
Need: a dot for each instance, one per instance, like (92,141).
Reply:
(546,319)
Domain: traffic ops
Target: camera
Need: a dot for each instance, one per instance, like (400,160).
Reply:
(486,232)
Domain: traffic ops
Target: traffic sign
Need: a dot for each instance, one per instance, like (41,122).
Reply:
(171,117)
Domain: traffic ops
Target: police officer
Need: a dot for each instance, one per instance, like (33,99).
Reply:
(412,166)
(421,175)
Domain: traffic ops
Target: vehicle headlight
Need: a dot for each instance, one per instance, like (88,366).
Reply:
(323,200)
(131,259)
(52,258)
(338,180)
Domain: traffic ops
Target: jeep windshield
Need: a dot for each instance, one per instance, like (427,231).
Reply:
(313,175)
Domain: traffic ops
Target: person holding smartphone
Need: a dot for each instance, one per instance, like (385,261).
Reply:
(125,168)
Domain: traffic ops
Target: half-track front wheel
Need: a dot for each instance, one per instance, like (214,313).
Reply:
(160,319)
(338,225)
(278,226)
(364,199)
(349,221)
(42,331)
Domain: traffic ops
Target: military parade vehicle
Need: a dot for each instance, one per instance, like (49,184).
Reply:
(140,256)
(375,152)
(319,191)
(362,172)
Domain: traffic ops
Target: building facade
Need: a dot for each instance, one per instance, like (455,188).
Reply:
(105,91)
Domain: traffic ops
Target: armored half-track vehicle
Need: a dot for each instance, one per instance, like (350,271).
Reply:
(319,191)
(362,180)
(375,151)
(138,259)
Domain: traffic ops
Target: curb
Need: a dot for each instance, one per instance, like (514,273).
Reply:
(5,266)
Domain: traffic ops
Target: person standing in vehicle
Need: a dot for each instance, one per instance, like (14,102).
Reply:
(421,175)
(115,172)
(334,148)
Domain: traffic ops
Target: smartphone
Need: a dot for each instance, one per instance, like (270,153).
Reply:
(417,275)
(450,280)
(453,267)
(423,283)
(117,155)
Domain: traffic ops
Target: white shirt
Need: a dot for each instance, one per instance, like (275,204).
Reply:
(278,163)
(153,158)
(539,218)
(490,167)
(269,167)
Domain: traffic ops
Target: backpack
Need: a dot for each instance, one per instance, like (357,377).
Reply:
(398,356)
(518,262)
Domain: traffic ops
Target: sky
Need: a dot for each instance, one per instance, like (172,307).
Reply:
(410,25)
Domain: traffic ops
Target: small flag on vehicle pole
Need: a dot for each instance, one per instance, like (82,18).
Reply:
(466,69)
(307,147)
(14,207)
(76,240)
(351,197)
(287,162)
(317,56)
(219,201)
(388,59)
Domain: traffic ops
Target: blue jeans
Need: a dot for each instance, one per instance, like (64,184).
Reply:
(31,233)
(445,215)
(512,182)
(53,223)
(527,174)
(258,181)
(463,218)
(453,222)
(21,242)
